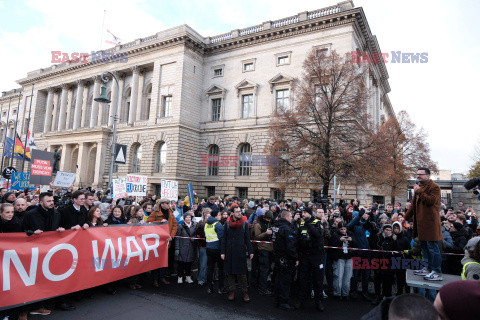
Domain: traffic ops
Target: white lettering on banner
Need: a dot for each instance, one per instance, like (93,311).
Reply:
(130,254)
(153,247)
(28,279)
(46,267)
(108,246)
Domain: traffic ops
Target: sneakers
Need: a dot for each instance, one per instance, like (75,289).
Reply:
(180,280)
(41,311)
(324,295)
(188,279)
(421,272)
(433,276)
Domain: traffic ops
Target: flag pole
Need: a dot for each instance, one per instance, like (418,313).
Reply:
(5,134)
(28,126)
(103,28)
(15,135)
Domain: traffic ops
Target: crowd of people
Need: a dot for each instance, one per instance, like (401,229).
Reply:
(289,249)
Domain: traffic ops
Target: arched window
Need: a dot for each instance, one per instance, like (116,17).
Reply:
(245,163)
(279,160)
(147,101)
(137,159)
(213,153)
(161,157)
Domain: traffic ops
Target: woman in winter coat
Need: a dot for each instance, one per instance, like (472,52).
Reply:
(117,216)
(185,250)
(471,261)
(460,237)
(202,247)
(342,261)
(8,221)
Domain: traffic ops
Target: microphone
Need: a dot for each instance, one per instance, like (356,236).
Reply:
(416,181)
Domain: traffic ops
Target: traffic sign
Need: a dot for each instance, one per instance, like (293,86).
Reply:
(120,153)
(460,204)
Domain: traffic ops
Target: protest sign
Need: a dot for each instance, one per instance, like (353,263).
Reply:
(169,189)
(64,179)
(41,167)
(56,263)
(191,196)
(119,189)
(136,185)
(20,181)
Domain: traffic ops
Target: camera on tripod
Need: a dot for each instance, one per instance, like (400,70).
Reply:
(473,184)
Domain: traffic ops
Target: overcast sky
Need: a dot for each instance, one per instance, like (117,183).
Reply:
(441,96)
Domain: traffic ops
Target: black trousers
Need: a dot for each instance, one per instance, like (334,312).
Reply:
(184,268)
(213,257)
(265,259)
(383,283)
(310,271)
(283,280)
(400,274)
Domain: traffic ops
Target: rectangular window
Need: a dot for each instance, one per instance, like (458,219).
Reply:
(210,191)
(247,105)
(277,194)
(167,106)
(282,100)
(218,72)
(248,67)
(216,107)
(242,193)
(283,60)
(321,52)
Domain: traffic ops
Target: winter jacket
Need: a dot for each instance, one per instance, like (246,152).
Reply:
(335,241)
(235,245)
(284,240)
(387,244)
(186,247)
(358,226)
(41,219)
(158,216)
(260,232)
(472,271)
(459,240)
(215,245)
(72,217)
(447,239)
(14,225)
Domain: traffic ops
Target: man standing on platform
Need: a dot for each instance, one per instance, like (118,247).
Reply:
(425,210)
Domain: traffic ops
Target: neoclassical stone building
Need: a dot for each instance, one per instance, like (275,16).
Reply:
(183,96)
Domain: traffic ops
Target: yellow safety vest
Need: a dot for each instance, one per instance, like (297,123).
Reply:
(465,268)
(210,234)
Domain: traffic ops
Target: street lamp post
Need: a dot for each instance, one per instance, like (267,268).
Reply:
(104,99)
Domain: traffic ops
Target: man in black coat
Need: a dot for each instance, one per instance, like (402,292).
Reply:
(286,257)
(310,246)
(20,206)
(75,215)
(43,218)
(402,242)
(234,247)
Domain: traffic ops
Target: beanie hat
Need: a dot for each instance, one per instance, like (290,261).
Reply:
(383,215)
(251,204)
(396,223)
(6,195)
(457,225)
(268,215)
(187,214)
(386,226)
(460,299)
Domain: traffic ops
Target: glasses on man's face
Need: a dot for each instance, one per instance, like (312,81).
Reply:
(81,199)
(422,174)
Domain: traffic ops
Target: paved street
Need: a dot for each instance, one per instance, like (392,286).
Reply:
(192,302)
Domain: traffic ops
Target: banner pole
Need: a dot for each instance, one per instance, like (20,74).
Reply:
(5,133)
(28,127)
(15,135)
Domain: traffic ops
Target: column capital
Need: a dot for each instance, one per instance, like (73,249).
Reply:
(97,78)
(65,86)
(51,90)
(80,83)
(135,69)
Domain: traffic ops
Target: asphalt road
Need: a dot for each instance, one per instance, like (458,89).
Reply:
(190,301)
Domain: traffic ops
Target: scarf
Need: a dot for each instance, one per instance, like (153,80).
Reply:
(166,213)
(236,224)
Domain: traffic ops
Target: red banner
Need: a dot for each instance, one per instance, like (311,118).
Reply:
(55,263)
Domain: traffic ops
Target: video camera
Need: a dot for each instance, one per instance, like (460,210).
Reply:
(473,184)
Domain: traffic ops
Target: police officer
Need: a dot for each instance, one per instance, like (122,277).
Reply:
(286,258)
(310,247)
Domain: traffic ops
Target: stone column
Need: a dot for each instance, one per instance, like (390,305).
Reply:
(134,97)
(69,108)
(49,111)
(113,104)
(55,111)
(82,164)
(84,105)
(66,157)
(96,92)
(78,105)
(63,108)
(121,82)
(100,163)
(141,79)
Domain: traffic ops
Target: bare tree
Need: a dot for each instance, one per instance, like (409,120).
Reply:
(326,132)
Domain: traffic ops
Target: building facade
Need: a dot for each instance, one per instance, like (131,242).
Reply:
(183,97)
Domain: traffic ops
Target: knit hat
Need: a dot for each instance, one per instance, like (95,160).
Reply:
(472,243)
(6,195)
(268,215)
(457,225)
(187,214)
(396,223)
(383,215)
(164,200)
(386,226)
(460,299)
(251,204)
